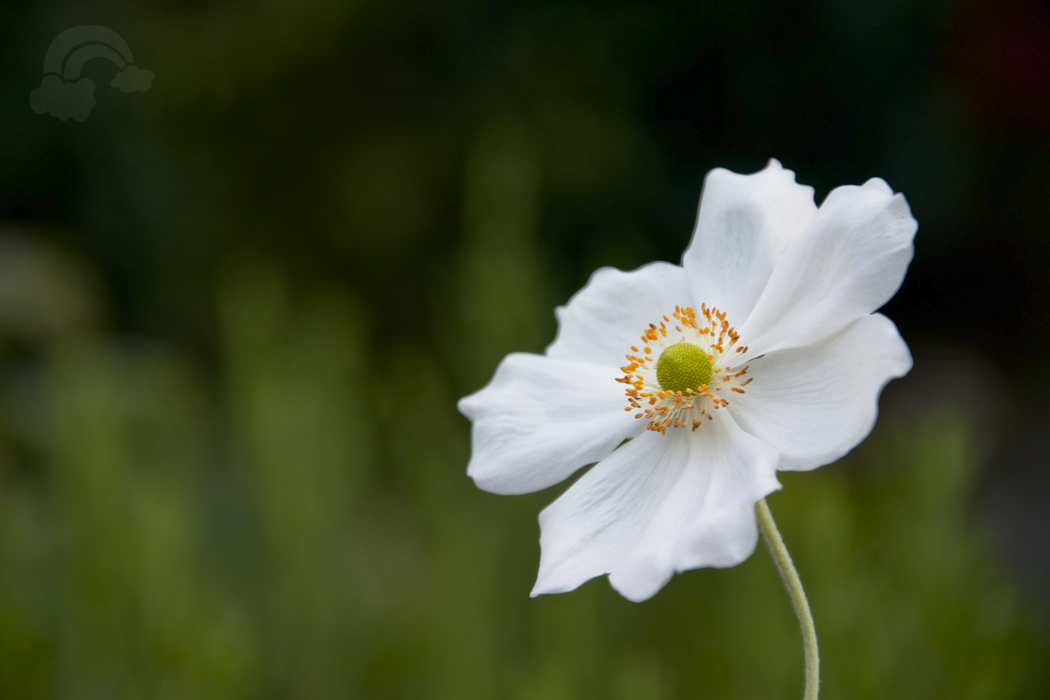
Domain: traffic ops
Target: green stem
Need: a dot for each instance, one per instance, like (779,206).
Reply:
(798,597)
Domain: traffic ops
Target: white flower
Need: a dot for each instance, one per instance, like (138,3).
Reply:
(782,367)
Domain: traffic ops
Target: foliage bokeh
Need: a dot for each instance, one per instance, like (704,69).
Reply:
(236,312)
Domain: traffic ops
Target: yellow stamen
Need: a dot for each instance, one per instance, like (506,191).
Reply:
(692,362)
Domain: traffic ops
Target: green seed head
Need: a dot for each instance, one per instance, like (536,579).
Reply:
(683,366)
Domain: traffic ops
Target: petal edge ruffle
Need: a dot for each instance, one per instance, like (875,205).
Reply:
(540,419)
(603,320)
(742,225)
(847,263)
(814,404)
(649,510)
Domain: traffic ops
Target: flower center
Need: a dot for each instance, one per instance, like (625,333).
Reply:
(692,368)
(683,366)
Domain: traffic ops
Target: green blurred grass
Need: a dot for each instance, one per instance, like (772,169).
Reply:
(298,524)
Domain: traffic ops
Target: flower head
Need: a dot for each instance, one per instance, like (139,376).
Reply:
(690,386)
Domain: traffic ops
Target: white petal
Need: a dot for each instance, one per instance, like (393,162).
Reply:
(741,228)
(604,319)
(846,264)
(814,404)
(540,419)
(657,505)
(721,538)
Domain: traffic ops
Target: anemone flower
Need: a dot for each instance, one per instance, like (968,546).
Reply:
(688,387)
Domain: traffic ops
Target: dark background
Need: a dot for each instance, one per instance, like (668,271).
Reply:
(236,310)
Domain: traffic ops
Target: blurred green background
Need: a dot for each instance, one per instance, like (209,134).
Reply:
(236,312)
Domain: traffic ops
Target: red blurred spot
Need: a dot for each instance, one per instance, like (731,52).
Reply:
(1006,51)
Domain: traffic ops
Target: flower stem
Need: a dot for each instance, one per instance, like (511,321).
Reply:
(798,597)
